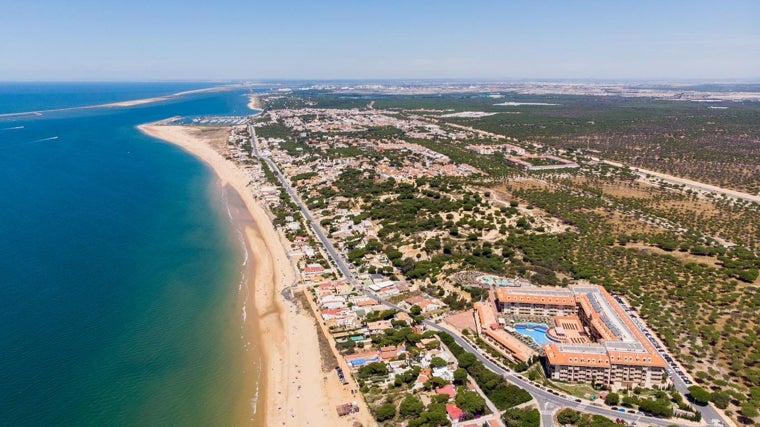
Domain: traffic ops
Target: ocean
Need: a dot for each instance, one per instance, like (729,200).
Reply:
(119,268)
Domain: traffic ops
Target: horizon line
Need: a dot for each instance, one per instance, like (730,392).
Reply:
(755,80)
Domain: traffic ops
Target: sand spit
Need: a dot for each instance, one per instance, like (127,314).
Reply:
(130,103)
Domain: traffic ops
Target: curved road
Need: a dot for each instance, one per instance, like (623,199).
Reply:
(547,402)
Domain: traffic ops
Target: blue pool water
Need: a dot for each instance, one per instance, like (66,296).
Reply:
(536,331)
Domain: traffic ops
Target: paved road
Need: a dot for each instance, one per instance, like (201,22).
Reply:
(710,414)
(547,401)
(336,258)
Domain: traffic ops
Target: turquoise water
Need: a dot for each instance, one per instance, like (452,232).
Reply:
(537,332)
(118,266)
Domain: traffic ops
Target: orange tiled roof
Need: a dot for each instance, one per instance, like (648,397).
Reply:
(557,357)
(513,296)
(520,350)
(485,314)
(629,358)
(603,329)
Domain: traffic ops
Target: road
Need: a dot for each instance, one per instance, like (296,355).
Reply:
(546,401)
(336,258)
(710,414)
(695,185)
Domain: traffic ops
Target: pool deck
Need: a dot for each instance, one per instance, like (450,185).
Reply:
(536,331)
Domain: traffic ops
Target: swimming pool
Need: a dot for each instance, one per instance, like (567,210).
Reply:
(494,280)
(536,331)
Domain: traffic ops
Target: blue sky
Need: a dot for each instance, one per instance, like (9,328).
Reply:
(362,39)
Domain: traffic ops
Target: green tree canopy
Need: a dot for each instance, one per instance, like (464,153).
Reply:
(471,402)
(385,412)
(437,362)
(434,416)
(699,395)
(515,417)
(375,368)
(568,416)
(411,407)
(460,376)
(466,360)
(721,399)
(749,410)
(612,399)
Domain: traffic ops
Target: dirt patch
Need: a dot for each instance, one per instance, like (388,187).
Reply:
(461,321)
(521,184)
(630,189)
(683,256)
(214,136)
(621,223)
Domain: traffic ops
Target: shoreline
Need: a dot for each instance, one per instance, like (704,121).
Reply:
(292,387)
(254,103)
(129,103)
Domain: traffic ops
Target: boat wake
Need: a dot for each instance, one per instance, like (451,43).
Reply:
(52,138)
(13,128)
(19,143)
(22,114)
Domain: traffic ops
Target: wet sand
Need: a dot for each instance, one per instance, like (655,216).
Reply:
(291,387)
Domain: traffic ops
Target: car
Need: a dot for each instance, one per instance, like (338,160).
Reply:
(631,411)
(621,410)
(614,408)
(578,400)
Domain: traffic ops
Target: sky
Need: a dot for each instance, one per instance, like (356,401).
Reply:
(143,40)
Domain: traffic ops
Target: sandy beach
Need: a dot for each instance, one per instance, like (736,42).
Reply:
(134,102)
(254,103)
(294,389)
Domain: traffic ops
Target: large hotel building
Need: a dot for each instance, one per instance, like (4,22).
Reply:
(595,341)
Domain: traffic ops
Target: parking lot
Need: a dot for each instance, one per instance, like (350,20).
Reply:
(673,370)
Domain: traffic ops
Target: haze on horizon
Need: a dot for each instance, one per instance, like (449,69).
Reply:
(236,39)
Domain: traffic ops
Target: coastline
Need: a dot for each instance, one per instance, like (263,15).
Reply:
(133,102)
(129,103)
(254,103)
(291,388)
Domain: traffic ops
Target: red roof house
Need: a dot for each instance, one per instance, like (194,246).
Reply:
(447,389)
(454,412)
